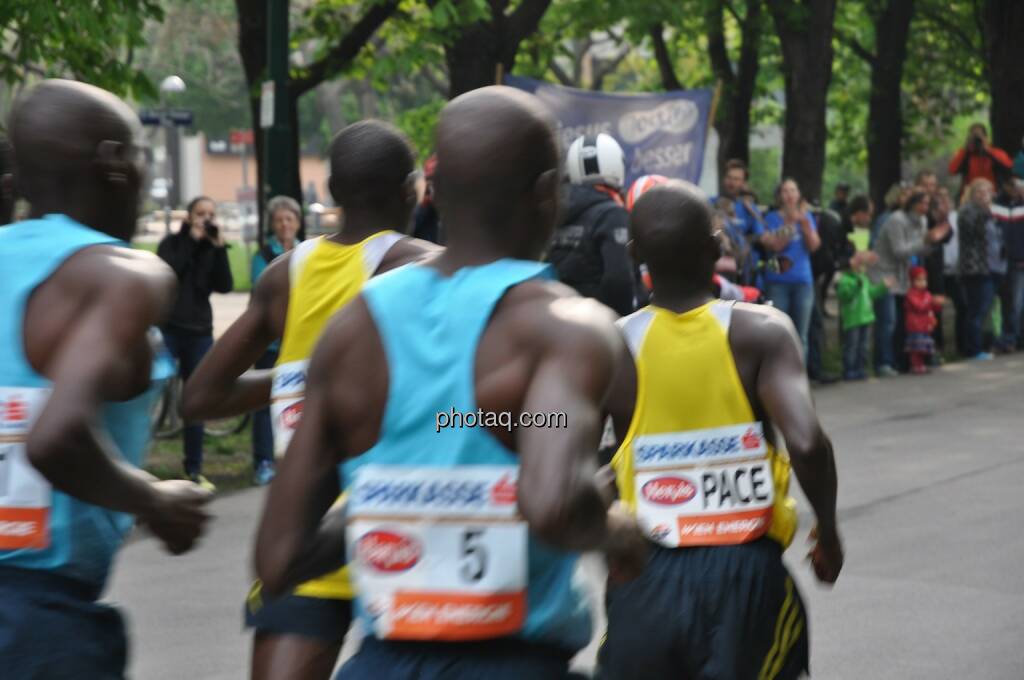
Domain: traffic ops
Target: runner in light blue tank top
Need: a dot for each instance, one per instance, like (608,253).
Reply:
(430,327)
(81,539)
(80,367)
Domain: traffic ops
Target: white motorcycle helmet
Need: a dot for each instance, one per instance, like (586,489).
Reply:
(596,160)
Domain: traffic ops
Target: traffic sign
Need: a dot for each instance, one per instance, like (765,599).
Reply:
(241,137)
(179,117)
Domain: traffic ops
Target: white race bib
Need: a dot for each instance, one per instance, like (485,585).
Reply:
(287,395)
(25,495)
(704,487)
(439,553)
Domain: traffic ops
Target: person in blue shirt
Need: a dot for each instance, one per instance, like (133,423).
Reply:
(791,236)
(80,369)
(747,222)
(284,215)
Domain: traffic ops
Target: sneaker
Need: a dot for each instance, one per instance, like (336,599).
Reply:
(982,356)
(203,482)
(264,473)
(886,372)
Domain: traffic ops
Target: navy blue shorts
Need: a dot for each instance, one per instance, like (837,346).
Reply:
(52,628)
(709,613)
(324,619)
(503,659)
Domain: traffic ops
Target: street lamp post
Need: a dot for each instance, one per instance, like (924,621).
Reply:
(169,85)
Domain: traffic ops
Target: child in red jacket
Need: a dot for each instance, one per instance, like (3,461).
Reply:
(920,310)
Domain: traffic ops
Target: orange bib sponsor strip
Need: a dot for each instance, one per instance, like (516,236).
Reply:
(728,528)
(24,528)
(456,616)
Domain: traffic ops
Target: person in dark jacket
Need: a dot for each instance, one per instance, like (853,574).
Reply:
(589,250)
(199,258)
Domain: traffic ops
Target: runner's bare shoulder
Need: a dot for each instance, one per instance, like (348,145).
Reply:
(550,314)
(408,250)
(757,329)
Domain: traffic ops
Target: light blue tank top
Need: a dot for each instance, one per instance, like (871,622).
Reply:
(82,538)
(430,326)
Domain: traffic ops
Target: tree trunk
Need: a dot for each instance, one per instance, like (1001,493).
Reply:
(666,68)
(1004,26)
(473,56)
(805,33)
(473,59)
(885,114)
(733,124)
(252,48)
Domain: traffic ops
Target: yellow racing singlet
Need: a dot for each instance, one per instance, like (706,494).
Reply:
(324,276)
(695,466)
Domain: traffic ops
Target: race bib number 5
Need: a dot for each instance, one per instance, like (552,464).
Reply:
(24,493)
(287,394)
(704,487)
(440,554)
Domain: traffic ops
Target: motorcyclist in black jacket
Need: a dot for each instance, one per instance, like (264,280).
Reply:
(589,250)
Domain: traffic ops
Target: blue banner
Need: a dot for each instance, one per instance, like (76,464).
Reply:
(661,134)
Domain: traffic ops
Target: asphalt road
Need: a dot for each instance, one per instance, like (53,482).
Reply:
(931,473)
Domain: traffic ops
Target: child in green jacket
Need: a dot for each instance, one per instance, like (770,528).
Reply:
(856,294)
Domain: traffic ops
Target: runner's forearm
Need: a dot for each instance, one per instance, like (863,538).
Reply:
(78,460)
(815,469)
(249,392)
(323,553)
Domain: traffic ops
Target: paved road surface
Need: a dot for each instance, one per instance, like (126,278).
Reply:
(931,474)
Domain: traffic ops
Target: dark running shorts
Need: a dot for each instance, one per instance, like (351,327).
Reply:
(52,628)
(325,619)
(709,613)
(484,660)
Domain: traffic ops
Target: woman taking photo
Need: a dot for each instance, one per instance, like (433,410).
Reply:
(199,258)
(790,237)
(284,216)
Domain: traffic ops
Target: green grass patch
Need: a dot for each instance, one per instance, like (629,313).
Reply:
(227,461)
(239,256)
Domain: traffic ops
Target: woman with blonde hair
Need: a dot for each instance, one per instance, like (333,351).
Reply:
(979,243)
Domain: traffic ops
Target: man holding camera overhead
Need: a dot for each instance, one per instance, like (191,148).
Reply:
(199,258)
(978,159)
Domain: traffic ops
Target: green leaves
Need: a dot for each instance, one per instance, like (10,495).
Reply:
(90,40)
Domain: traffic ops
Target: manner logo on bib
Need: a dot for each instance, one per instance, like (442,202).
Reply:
(388,551)
(669,490)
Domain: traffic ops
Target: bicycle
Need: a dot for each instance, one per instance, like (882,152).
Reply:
(167,422)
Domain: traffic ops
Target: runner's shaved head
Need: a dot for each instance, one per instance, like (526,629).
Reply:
(57,130)
(672,232)
(75,153)
(498,168)
(370,164)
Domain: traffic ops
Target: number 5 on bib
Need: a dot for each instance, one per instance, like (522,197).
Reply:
(439,554)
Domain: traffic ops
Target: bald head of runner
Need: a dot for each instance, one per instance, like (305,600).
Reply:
(673,234)
(371,175)
(498,170)
(75,153)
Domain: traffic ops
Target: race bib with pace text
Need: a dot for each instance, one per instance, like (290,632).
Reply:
(439,553)
(287,395)
(704,487)
(25,495)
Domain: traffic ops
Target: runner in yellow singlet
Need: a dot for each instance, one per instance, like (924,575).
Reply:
(371,179)
(703,470)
